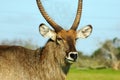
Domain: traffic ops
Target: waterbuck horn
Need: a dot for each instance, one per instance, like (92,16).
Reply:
(78,16)
(56,27)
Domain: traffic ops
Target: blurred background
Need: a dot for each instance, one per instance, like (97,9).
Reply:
(19,21)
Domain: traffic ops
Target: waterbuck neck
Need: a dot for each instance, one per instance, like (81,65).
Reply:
(52,60)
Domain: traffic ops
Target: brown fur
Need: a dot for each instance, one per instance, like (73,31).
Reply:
(19,63)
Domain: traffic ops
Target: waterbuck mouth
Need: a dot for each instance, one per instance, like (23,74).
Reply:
(71,61)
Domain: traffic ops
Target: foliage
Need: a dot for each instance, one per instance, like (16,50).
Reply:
(108,54)
(18,42)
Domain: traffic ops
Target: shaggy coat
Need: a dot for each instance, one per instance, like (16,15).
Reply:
(18,63)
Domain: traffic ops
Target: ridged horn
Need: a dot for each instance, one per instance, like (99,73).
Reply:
(78,15)
(56,27)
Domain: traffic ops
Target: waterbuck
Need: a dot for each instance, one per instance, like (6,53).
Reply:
(53,61)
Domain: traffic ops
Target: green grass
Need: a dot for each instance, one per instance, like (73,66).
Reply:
(104,74)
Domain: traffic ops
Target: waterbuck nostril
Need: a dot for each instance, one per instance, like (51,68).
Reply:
(73,55)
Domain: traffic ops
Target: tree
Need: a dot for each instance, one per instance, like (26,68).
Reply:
(108,54)
(111,49)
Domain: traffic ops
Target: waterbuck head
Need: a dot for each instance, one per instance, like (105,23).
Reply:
(64,38)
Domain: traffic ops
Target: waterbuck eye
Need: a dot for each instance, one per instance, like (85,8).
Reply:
(59,39)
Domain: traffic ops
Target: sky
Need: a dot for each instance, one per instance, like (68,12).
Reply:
(19,19)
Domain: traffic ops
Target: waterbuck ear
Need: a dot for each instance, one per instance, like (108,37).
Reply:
(84,32)
(46,32)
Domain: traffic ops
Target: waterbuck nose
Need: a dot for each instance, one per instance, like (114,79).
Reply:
(73,55)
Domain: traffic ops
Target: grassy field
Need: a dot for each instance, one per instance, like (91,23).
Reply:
(104,74)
